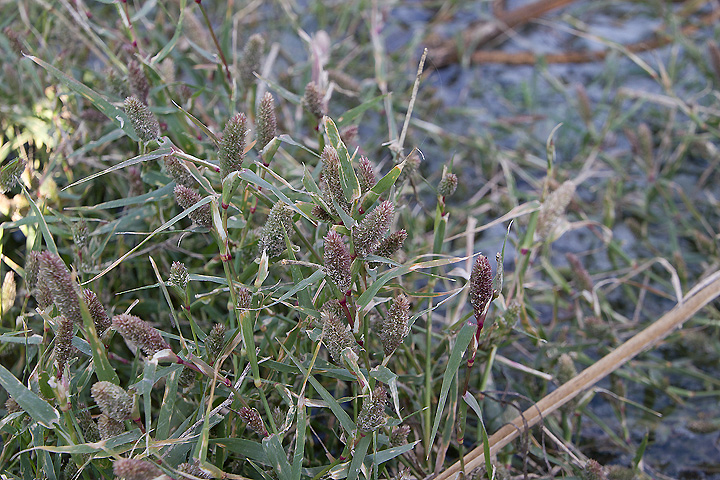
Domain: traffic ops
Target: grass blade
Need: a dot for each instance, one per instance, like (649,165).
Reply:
(117,116)
(36,407)
(467,332)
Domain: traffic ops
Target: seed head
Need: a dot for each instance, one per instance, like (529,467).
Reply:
(108,427)
(12,406)
(714,54)
(179,275)
(448,185)
(396,326)
(336,334)
(252,55)
(186,198)
(113,400)
(10,174)
(244,298)
(80,233)
(215,341)
(553,208)
(138,332)
(232,144)
(330,178)
(582,277)
(143,120)
(87,424)
(320,213)
(8,292)
(337,261)
(593,471)
(399,435)
(366,175)
(138,81)
(32,268)
(97,312)
(14,39)
(278,223)
(481,290)
(367,235)
(63,344)
(566,368)
(176,168)
(372,415)
(266,121)
(253,420)
(194,469)
(187,377)
(134,469)
(314,100)
(61,285)
(391,244)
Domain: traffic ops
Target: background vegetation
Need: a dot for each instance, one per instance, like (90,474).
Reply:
(271,370)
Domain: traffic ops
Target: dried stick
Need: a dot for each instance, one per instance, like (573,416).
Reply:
(703,293)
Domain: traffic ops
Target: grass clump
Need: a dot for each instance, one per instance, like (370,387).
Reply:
(231,257)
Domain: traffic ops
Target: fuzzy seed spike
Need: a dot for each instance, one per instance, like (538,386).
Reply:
(481,290)
(138,332)
(232,144)
(113,400)
(142,119)
(368,234)
(396,326)
(337,261)
(61,285)
(266,121)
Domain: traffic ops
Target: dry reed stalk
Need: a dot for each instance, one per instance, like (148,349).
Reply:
(702,294)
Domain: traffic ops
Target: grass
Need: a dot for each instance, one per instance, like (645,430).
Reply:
(279,333)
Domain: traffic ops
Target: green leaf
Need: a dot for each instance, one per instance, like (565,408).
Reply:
(47,236)
(348,178)
(36,407)
(160,193)
(248,448)
(253,178)
(132,161)
(353,113)
(199,124)
(345,421)
(383,185)
(277,456)
(176,36)
(162,227)
(388,454)
(389,378)
(103,369)
(395,272)
(357,460)
(470,400)
(107,138)
(299,438)
(117,116)
(464,337)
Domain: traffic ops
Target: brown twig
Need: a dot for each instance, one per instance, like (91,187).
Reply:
(703,293)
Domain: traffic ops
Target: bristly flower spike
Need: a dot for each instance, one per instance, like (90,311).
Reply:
(97,312)
(366,175)
(448,185)
(336,334)
(139,333)
(337,261)
(266,121)
(186,198)
(396,326)
(253,420)
(178,172)
(134,469)
(63,344)
(252,55)
(481,289)
(367,235)
(179,276)
(109,427)
(142,119)
(314,100)
(113,400)
(279,223)
(372,415)
(62,286)
(232,144)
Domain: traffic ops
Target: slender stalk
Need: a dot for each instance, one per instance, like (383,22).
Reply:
(217,44)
